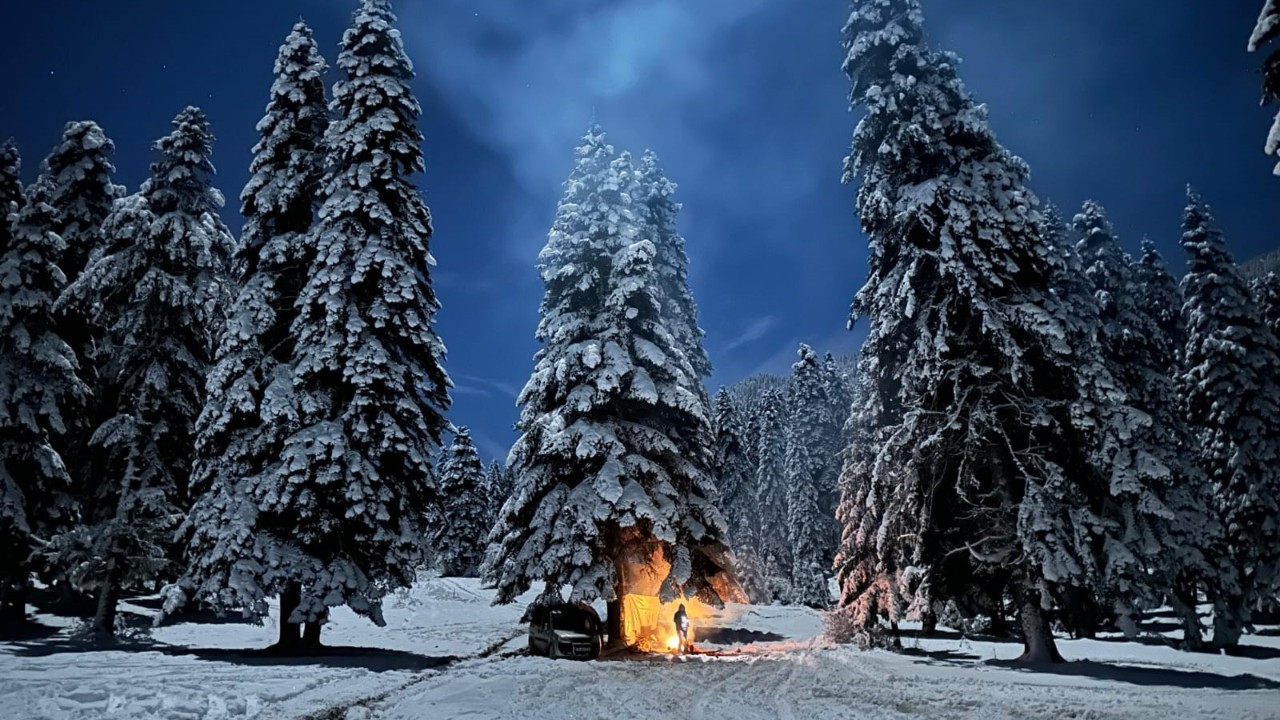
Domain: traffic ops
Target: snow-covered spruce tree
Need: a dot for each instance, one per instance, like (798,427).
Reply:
(76,176)
(358,494)
(1231,398)
(812,432)
(156,299)
(1160,296)
(497,489)
(235,559)
(980,407)
(1266,290)
(39,390)
(735,486)
(774,542)
(458,541)
(76,179)
(671,265)
(870,562)
(609,467)
(1266,30)
(1159,511)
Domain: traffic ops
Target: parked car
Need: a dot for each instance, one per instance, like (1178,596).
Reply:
(566,631)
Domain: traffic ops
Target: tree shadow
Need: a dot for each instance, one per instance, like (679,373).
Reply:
(941,657)
(734,636)
(947,634)
(372,659)
(1255,652)
(337,656)
(28,631)
(1144,676)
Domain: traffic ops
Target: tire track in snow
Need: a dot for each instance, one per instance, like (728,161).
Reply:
(338,712)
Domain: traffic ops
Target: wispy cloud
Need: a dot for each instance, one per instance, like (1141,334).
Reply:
(465,389)
(755,330)
(477,385)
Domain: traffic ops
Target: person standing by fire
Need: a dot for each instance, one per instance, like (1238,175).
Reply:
(682,630)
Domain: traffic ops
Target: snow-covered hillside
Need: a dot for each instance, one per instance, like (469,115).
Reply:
(447,653)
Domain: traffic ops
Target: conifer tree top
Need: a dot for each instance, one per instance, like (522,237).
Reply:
(286,163)
(182,179)
(10,180)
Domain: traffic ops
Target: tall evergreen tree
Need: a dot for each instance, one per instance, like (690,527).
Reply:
(610,465)
(811,431)
(39,389)
(368,384)
(1266,30)
(1266,290)
(235,524)
(671,265)
(1231,399)
(497,487)
(459,539)
(734,479)
(774,544)
(76,179)
(1160,296)
(736,490)
(981,411)
(1163,526)
(158,300)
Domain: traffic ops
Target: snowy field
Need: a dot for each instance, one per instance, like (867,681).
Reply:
(446,653)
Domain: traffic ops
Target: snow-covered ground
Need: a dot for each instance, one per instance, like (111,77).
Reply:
(446,653)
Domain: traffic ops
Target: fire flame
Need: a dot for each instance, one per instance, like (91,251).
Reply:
(673,643)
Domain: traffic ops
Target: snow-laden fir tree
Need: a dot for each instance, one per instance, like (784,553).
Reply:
(354,488)
(671,265)
(870,562)
(40,390)
(235,557)
(736,494)
(497,488)
(1156,525)
(610,464)
(156,297)
(76,179)
(1160,296)
(981,408)
(774,542)
(1266,30)
(812,438)
(1266,290)
(1230,390)
(459,540)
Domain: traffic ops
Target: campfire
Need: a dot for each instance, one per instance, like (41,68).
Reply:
(648,624)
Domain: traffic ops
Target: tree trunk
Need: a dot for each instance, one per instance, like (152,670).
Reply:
(290,632)
(104,620)
(13,601)
(1185,597)
(999,620)
(1037,638)
(929,621)
(1228,623)
(311,636)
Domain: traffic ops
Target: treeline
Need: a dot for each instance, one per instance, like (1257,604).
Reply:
(1047,426)
(234,418)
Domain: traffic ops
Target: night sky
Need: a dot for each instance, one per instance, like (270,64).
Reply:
(1121,101)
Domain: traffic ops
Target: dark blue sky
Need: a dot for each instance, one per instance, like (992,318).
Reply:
(1124,102)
